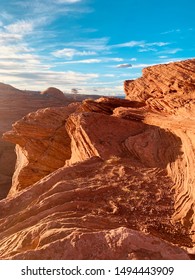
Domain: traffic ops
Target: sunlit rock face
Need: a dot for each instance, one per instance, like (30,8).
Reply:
(120,175)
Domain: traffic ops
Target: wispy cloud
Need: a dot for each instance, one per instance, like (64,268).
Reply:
(20,27)
(171,31)
(68,1)
(141,44)
(93,60)
(128,44)
(171,51)
(70,53)
(96,44)
(142,65)
(46,78)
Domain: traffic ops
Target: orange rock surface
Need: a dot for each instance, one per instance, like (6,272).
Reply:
(43,145)
(15,104)
(124,186)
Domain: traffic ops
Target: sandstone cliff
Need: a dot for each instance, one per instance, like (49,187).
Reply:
(125,186)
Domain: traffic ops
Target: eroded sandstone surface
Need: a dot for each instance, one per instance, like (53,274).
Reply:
(15,104)
(119,180)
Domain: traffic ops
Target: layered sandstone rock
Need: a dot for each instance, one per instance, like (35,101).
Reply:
(126,191)
(173,82)
(87,211)
(94,134)
(15,104)
(169,92)
(42,144)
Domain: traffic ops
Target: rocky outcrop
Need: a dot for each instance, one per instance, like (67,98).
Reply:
(169,92)
(87,211)
(126,188)
(15,104)
(172,84)
(42,145)
(94,134)
(106,105)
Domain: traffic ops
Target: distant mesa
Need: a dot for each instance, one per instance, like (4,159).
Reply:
(8,88)
(54,92)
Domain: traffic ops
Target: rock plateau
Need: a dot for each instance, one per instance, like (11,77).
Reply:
(107,179)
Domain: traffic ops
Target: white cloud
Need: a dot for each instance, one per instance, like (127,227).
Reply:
(34,79)
(128,44)
(171,31)
(133,59)
(67,1)
(171,51)
(163,56)
(143,65)
(94,60)
(6,37)
(147,50)
(141,44)
(70,53)
(84,61)
(158,44)
(20,27)
(146,47)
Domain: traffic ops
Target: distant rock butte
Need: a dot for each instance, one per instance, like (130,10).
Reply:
(54,92)
(107,179)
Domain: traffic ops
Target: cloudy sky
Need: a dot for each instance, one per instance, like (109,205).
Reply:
(91,45)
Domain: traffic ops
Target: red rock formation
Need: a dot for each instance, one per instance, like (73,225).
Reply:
(128,189)
(106,105)
(173,81)
(169,92)
(43,145)
(94,134)
(15,104)
(92,204)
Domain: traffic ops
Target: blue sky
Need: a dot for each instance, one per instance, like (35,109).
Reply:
(91,45)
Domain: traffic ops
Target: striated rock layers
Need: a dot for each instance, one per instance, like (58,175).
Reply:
(106,179)
(42,145)
(15,104)
(92,210)
(169,92)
